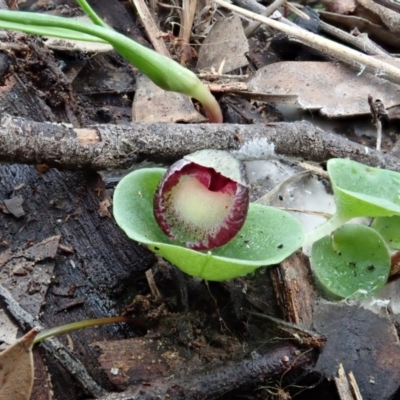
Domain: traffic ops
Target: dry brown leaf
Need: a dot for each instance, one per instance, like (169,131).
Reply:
(340,6)
(334,89)
(104,208)
(370,9)
(152,104)
(16,369)
(225,45)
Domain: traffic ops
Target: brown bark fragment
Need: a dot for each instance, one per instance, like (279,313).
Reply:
(293,289)
(133,360)
(364,343)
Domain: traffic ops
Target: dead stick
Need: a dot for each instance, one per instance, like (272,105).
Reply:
(115,146)
(214,383)
(333,49)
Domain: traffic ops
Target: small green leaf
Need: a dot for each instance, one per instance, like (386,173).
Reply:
(353,262)
(389,228)
(362,191)
(268,236)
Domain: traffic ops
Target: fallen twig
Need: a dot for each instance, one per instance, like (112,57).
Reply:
(115,146)
(250,30)
(326,46)
(377,110)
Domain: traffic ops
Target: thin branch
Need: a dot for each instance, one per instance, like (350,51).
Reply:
(390,4)
(356,39)
(252,28)
(151,27)
(114,146)
(378,110)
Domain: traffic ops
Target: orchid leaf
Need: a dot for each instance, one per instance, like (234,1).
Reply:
(389,228)
(267,237)
(353,262)
(50,32)
(363,191)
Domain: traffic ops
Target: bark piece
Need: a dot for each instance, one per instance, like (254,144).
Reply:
(26,276)
(103,269)
(293,289)
(42,388)
(133,360)
(8,330)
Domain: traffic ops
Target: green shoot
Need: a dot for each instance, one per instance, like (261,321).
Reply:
(163,71)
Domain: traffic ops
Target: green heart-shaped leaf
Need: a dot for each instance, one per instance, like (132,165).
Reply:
(354,261)
(267,237)
(362,191)
(389,228)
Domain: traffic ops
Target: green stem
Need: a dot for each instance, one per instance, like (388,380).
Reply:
(91,14)
(59,330)
(325,229)
(211,107)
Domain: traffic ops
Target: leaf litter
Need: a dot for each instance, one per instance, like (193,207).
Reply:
(16,369)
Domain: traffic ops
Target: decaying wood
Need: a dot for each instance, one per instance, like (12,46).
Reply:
(96,263)
(206,385)
(293,289)
(112,146)
(364,342)
(343,385)
(347,386)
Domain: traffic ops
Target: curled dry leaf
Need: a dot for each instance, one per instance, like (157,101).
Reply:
(310,81)
(16,369)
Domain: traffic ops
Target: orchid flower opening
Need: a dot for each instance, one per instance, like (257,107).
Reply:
(203,199)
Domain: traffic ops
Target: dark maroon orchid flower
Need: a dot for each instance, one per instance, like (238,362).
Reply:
(203,199)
